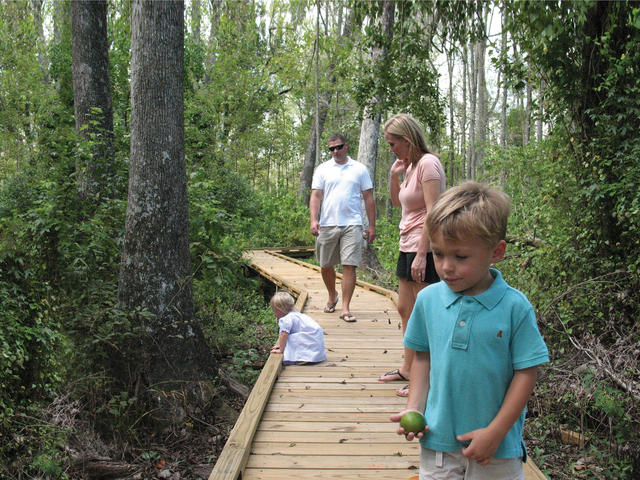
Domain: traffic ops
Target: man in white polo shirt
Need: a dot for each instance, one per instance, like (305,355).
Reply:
(336,191)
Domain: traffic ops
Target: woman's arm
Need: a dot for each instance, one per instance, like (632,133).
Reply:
(397,169)
(431,192)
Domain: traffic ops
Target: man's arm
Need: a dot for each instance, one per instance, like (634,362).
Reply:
(485,441)
(314,209)
(370,207)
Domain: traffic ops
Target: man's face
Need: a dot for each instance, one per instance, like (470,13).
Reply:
(338,154)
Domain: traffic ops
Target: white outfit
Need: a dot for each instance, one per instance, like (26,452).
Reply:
(342,187)
(305,342)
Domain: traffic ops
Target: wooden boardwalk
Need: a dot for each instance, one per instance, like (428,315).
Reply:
(326,421)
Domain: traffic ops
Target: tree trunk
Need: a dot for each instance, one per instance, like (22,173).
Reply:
(155,270)
(483,104)
(92,94)
(526,133)
(463,115)
(540,112)
(473,100)
(311,153)
(452,139)
(370,127)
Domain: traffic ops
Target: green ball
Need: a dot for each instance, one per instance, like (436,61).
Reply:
(413,422)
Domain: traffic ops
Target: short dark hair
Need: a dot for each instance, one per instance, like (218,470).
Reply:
(338,136)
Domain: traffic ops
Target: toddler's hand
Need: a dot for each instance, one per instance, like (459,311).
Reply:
(275,349)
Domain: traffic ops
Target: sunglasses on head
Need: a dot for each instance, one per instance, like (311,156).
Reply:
(336,147)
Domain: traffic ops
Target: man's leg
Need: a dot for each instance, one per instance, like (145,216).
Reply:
(348,286)
(350,257)
(329,279)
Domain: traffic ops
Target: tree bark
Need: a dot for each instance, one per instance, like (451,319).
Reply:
(92,94)
(526,133)
(155,268)
(370,127)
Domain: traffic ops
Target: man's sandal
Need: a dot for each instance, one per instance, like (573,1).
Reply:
(395,374)
(331,307)
(347,317)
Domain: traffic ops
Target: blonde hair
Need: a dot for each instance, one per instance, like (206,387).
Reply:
(405,126)
(470,209)
(283,301)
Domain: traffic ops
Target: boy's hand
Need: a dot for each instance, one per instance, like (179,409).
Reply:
(408,435)
(482,447)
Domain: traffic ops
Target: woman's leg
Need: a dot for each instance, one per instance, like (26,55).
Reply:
(407,294)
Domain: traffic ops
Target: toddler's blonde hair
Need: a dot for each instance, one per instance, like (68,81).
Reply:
(469,210)
(283,301)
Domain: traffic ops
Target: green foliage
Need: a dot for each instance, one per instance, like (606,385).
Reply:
(586,53)
(282,222)
(407,80)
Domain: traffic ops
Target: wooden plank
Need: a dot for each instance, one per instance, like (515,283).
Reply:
(532,472)
(400,449)
(311,474)
(234,455)
(340,462)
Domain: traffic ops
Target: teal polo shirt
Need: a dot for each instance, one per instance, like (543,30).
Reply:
(475,344)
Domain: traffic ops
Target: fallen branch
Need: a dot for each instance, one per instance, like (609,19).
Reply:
(103,467)
(240,388)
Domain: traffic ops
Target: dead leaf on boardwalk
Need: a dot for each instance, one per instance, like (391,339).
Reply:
(384,351)
(342,440)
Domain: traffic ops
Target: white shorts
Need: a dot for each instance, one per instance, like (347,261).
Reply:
(455,466)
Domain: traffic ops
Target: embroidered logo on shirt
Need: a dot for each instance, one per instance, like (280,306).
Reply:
(499,335)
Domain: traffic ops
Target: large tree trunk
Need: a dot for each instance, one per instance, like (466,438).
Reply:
(155,271)
(311,152)
(370,127)
(92,94)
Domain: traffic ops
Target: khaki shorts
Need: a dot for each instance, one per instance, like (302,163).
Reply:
(339,245)
(455,466)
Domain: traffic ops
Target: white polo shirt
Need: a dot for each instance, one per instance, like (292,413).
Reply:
(342,186)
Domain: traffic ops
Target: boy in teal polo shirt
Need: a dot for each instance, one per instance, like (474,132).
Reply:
(477,345)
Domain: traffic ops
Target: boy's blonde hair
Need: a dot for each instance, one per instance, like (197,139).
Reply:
(405,126)
(470,209)
(283,301)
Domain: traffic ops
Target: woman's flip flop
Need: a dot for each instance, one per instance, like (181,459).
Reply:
(403,392)
(395,374)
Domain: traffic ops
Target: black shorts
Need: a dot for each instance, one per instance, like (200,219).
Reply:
(403,270)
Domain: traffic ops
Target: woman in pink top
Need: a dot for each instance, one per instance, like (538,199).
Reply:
(424,180)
